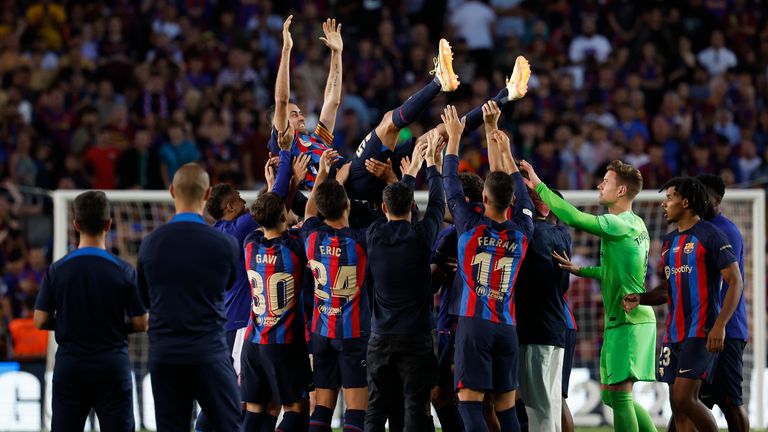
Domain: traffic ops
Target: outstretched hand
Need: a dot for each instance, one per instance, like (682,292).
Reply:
(285,138)
(491,113)
(453,126)
(417,158)
(287,40)
(381,170)
(326,160)
(566,263)
(527,168)
(332,38)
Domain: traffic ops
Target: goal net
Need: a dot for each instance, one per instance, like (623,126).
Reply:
(136,213)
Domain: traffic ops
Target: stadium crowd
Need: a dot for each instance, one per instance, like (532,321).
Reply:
(118,95)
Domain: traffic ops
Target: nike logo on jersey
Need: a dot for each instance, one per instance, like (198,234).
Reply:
(682,371)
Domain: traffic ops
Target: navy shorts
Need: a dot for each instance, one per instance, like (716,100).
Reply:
(112,399)
(361,184)
(445,347)
(486,356)
(726,386)
(570,350)
(687,359)
(275,371)
(339,362)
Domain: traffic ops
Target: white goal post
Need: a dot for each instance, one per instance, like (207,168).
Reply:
(745,207)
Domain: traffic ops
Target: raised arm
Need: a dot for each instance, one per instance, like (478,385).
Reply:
(283,176)
(322,174)
(283,81)
(436,204)
(332,98)
(457,205)
(491,114)
(605,226)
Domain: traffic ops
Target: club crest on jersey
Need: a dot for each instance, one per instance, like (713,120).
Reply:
(688,248)
(667,271)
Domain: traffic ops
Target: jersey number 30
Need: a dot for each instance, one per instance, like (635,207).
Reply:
(280,288)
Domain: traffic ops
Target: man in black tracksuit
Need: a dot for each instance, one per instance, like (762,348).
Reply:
(400,345)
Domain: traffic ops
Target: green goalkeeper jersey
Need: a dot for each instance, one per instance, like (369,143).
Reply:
(624,244)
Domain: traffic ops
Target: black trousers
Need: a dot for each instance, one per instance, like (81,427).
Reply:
(213,385)
(401,368)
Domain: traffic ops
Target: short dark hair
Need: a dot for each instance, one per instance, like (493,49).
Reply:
(473,186)
(267,209)
(399,198)
(499,188)
(714,184)
(693,190)
(219,193)
(627,175)
(331,199)
(91,210)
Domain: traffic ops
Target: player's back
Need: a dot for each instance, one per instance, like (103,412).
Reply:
(91,292)
(275,272)
(338,260)
(238,298)
(184,268)
(692,261)
(489,258)
(623,263)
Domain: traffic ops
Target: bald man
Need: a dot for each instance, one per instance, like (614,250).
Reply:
(183,269)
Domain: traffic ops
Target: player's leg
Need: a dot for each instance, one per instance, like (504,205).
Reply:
(254,388)
(505,360)
(172,390)
(489,413)
(516,88)
(354,381)
(69,404)
(473,371)
(382,383)
(327,379)
(113,403)
(443,396)
(568,353)
(288,371)
(726,387)
(218,394)
(628,355)
(415,362)
(688,409)
(235,344)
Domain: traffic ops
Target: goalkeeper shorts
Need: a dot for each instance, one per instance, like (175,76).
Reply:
(629,353)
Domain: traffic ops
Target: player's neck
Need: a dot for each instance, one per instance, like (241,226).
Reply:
(274,233)
(620,207)
(686,222)
(99,241)
(339,223)
(182,207)
(496,215)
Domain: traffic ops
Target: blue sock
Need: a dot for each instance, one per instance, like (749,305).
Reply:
(292,422)
(472,416)
(508,420)
(320,421)
(252,422)
(354,420)
(450,420)
(412,108)
(269,423)
(475,116)
(202,424)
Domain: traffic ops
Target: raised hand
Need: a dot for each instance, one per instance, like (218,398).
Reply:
(287,40)
(434,140)
(417,158)
(491,113)
(405,164)
(285,138)
(453,126)
(300,167)
(566,264)
(332,37)
(270,171)
(326,160)
(526,167)
(382,171)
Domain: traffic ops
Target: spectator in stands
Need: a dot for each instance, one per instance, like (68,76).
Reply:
(28,343)
(749,161)
(101,160)
(716,58)
(12,295)
(139,166)
(474,22)
(589,44)
(178,151)
(655,172)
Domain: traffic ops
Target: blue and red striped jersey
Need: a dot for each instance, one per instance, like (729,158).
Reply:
(275,268)
(692,262)
(490,252)
(314,143)
(337,260)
